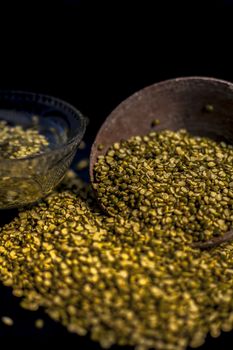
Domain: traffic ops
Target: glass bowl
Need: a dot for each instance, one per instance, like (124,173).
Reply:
(24,181)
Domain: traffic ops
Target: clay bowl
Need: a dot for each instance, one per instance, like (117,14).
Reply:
(203,106)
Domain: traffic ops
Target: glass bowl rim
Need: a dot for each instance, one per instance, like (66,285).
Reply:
(57,100)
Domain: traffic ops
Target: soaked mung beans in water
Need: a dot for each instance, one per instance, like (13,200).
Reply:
(17,142)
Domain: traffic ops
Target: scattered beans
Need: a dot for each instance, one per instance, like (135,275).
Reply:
(82,164)
(39,323)
(132,277)
(7,321)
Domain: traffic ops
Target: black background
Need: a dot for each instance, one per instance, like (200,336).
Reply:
(94,54)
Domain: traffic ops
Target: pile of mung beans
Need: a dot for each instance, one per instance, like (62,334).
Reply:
(130,275)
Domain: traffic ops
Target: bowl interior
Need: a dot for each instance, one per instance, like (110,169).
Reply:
(55,119)
(203,106)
